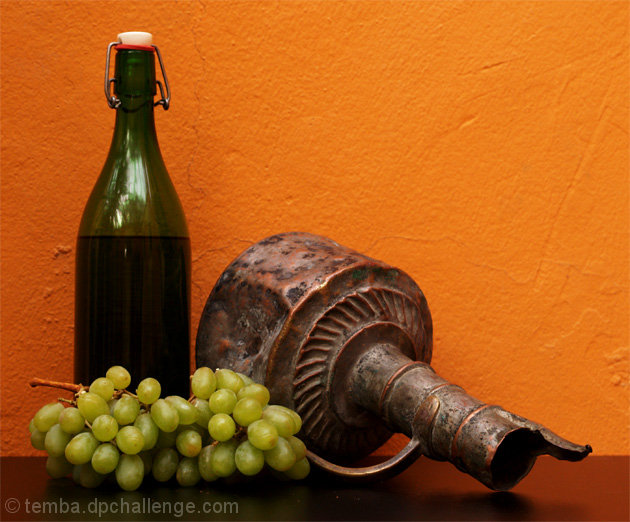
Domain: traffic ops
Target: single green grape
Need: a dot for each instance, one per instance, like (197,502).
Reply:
(296,419)
(149,430)
(147,461)
(166,439)
(47,416)
(246,380)
(188,414)
(81,448)
(129,472)
(91,406)
(247,410)
(249,460)
(221,427)
(281,456)
(165,464)
(105,458)
(294,415)
(205,464)
(104,428)
(188,472)
(228,380)
(280,419)
(204,412)
(130,440)
(89,477)
(119,376)
(188,443)
(71,420)
(222,458)
(56,441)
(148,390)
(262,434)
(255,391)
(126,410)
(58,467)
(222,401)
(298,447)
(299,470)
(103,387)
(164,415)
(38,439)
(203,382)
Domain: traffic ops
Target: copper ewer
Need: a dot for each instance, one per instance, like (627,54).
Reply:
(346,341)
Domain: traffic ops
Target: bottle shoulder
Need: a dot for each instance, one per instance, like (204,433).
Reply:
(134,195)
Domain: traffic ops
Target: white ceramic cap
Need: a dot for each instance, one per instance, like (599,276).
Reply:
(135,38)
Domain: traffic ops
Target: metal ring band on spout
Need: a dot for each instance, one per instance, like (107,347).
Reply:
(387,388)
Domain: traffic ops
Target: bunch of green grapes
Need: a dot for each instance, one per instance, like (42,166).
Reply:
(226,426)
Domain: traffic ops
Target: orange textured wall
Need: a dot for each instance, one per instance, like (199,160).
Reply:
(480,146)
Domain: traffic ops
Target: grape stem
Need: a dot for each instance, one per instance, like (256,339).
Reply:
(76,388)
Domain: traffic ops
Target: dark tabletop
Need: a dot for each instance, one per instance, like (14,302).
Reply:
(594,489)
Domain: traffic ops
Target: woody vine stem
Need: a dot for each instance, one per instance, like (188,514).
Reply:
(75,388)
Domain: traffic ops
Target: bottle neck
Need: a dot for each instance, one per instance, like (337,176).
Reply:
(135,87)
(135,128)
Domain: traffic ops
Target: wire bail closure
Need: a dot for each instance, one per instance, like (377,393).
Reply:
(114,102)
(164,101)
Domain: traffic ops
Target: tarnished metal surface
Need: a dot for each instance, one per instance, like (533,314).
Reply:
(288,309)
(346,341)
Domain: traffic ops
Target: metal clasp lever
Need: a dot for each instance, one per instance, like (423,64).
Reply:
(165,101)
(114,102)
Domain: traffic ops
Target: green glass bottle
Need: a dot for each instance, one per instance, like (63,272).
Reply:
(133,260)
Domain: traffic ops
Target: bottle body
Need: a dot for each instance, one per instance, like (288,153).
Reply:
(133,258)
(132,308)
